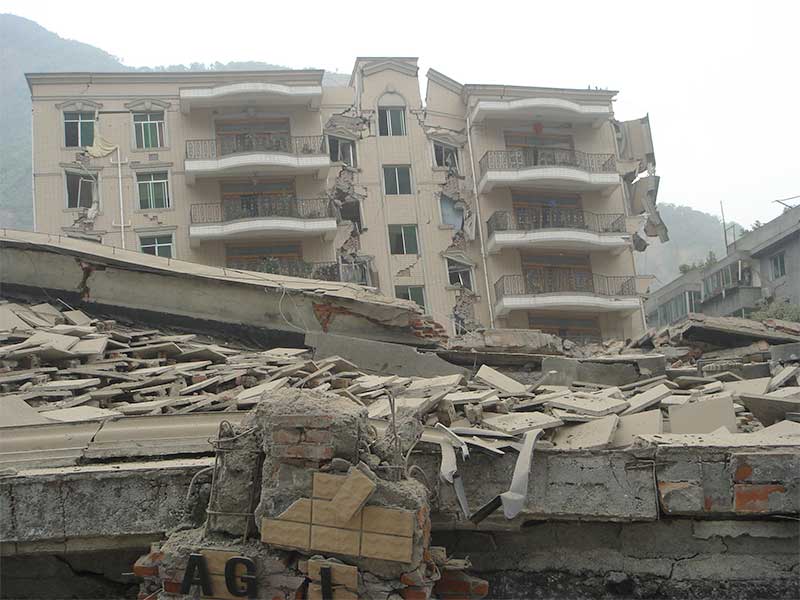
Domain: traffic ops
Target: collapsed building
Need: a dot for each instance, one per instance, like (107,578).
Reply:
(278,437)
(504,206)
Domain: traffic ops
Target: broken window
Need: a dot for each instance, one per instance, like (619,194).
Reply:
(153,190)
(351,211)
(403,239)
(80,190)
(397,180)
(78,129)
(452,212)
(158,245)
(459,273)
(778,263)
(148,128)
(342,150)
(445,156)
(415,293)
(392,121)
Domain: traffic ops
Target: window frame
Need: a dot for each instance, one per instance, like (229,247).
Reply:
(339,140)
(445,146)
(83,177)
(465,267)
(774,261)
(408,288)
(79,121)
(156,245)
(387,110)
(396,168)
(403,228)
(162,132)
(168,182)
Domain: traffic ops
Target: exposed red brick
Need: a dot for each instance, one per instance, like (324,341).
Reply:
(304,421)
(415,593)
(171,587)
(305,451)
(459,584)
(754,498)
(743,473)
(318,436)
(286,436)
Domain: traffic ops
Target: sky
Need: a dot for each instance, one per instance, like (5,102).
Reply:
(720,80)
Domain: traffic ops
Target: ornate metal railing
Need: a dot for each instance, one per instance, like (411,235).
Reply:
(326,271)
(543,217)
(224,145)
(524,158)
(253,207)
(548,280)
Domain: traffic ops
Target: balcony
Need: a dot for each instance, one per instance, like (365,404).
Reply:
(257,154)
(558,229)
(564,289)
(553,168)
(266,216)
(324,271)
(250,93)
(592,112)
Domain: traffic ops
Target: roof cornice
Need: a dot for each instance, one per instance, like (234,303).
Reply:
(444,81)
(516,91)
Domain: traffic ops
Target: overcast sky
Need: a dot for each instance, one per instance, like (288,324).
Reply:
(721,80)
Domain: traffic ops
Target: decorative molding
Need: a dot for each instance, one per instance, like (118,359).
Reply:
(79,105)
(147,104)
(394,65)
(444,81)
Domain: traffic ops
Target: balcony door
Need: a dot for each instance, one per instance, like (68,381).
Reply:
(281,258)
(253,135)
(540,149)
(250,199)
(557,273)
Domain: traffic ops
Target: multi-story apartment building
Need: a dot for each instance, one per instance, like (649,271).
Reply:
(762,265)
(488,205)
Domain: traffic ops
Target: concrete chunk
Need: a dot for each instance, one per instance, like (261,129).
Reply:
(515,423)
(597,406)
(630,426)
(76,317)
(647,399)
(749,386)
(703,417)
(594,434)
(784,375)
(489,376)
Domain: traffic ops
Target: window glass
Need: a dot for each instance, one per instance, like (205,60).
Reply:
(391,121)
(404,180)
(415,293)
(397,180)
(80,190)
(459,273)
(158,245)
(78,129)
(383,122)
(403,239)
(445,156)
(778,265)
(153,190)
(149,129)
(390,180)
(451,215)
(342,151)
(410,236)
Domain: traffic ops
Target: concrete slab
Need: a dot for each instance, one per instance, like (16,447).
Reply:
(647,399)
(786,374)
(594,434)
(749,386)
(520,422)
(80,413)
(703,416)
(489,376)
(791,391)
(630,426)
(596,405)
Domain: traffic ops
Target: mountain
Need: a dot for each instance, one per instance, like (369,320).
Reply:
(27,47)
(692,235)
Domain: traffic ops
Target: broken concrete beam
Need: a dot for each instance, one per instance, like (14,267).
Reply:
(647,399)
(749,386)
(783,376)
(597,433)
(704,416)
(490,376)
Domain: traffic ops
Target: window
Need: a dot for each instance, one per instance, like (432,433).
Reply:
(342,151)
(397,180)
(153,190)
(78,129)
(80,190)
(158,245)
(415,293)
(452,212)
(459,273)
(445,156)
(391,121)
(778,265)
(148,128)
(403,239)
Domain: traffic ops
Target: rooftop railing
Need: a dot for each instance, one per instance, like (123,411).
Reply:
(254,207)
(549,280)
(225,145)
(542,217)
(524,158)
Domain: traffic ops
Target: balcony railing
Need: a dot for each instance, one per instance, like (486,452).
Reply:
(225,145)
(325,271)
(550,280)
(534,218)
(254,207)
(524,158)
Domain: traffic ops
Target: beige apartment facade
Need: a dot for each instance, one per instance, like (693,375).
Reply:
(488,205)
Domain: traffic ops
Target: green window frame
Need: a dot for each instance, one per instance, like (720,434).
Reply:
(415,293)
(403,239)
(81,189)
(391,121)
(397,180)
(148,129)
(78,129)
(778,263)
(157,245)
(153,190)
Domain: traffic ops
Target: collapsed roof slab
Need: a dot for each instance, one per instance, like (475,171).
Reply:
(265,307)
